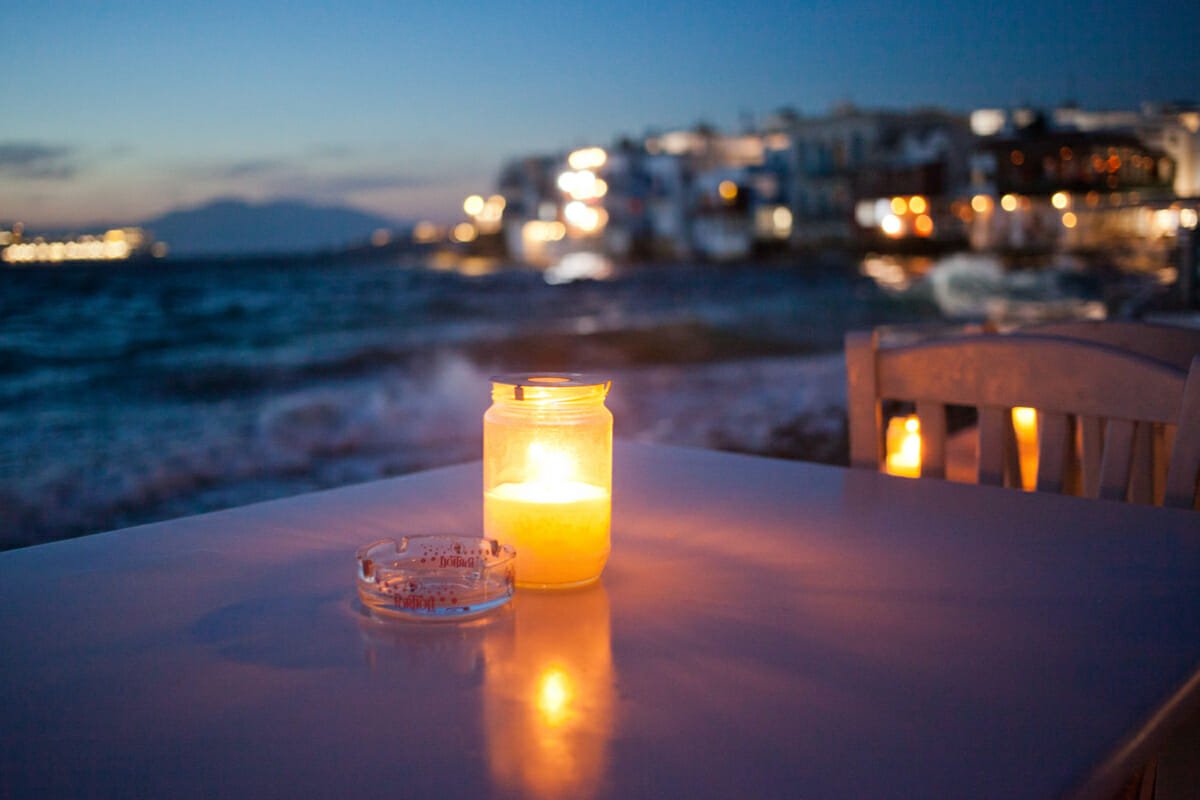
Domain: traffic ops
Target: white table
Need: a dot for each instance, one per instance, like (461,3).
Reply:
(764,629)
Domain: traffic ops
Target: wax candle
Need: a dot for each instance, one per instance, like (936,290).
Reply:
(559,526)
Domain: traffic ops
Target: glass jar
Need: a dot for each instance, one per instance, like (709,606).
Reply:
(547,476)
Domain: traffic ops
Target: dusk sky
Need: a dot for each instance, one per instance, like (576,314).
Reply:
(117,111)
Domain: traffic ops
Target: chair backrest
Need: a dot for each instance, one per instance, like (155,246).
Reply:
(1170,343)
(1096,407)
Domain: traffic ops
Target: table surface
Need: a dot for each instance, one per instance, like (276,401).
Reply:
(763,629)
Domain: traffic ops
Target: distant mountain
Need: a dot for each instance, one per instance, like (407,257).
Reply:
(236,227)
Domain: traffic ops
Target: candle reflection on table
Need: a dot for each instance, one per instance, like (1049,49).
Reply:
(548,707)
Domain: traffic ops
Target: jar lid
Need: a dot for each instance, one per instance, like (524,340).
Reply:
(549,380)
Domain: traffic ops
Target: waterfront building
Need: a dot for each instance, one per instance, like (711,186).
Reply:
(846,162)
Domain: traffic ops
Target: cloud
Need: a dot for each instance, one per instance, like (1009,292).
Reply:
(295,176)
(37,160)
(250,168)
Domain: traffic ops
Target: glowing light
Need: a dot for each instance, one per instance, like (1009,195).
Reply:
(903,447)
(586,218)
(728,191)
(1060,200)
(1024,421)
(426,232)
(536,230)
(465,232)
(899,205)
(1188,218)
(923,225)
(554,696)
(917,204)
(781,217)
(587,158)
(1069,220)
(1009,202)
(381,237)
(473,205)
(981,204)
(891,225)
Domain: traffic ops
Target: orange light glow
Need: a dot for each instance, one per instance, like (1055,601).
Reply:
(981,204)
(923,225)
(1060,200)
(1026,428)
(899,206)
(464,232)
(917,204)
(1017,158)
(1009,202)
(903,447)
(728,191)
(1069,220)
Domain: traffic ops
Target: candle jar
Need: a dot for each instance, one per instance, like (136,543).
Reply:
(547,476)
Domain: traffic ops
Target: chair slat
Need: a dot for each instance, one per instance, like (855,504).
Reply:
(1184,470)
(1055,442)
(1118,453)
(933,438)
(1091,443)
(865,415)
(992,444)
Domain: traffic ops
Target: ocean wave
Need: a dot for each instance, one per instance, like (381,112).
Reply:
(346,432)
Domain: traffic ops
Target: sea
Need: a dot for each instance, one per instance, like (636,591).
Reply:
(147,391)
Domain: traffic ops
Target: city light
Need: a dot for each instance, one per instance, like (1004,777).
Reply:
(782,219)
(426,232)
(585,218)
(981,204)
(1060,200)
(1069,220)
(891,225)
(464,232)
(899,206)
(536,230)
(728,191)
(587,158)
(116,244)
(917,204)
(923,225)
(1009,202)
(582,185)
(1188,218)
(473,205)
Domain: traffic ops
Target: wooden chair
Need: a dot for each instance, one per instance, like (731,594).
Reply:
(1169,343)
(1099,390)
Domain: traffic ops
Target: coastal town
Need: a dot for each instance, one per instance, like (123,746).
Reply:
(1021,180)
(994,179)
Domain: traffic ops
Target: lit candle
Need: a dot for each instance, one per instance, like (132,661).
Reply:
(558,525)
(1026,428)
(548,476)
(904,447)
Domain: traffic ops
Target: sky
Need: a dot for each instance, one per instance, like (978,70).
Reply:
(117,111)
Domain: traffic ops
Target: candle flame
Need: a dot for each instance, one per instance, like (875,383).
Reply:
(549,467)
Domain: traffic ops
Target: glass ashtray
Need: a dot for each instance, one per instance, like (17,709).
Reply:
(436,577)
